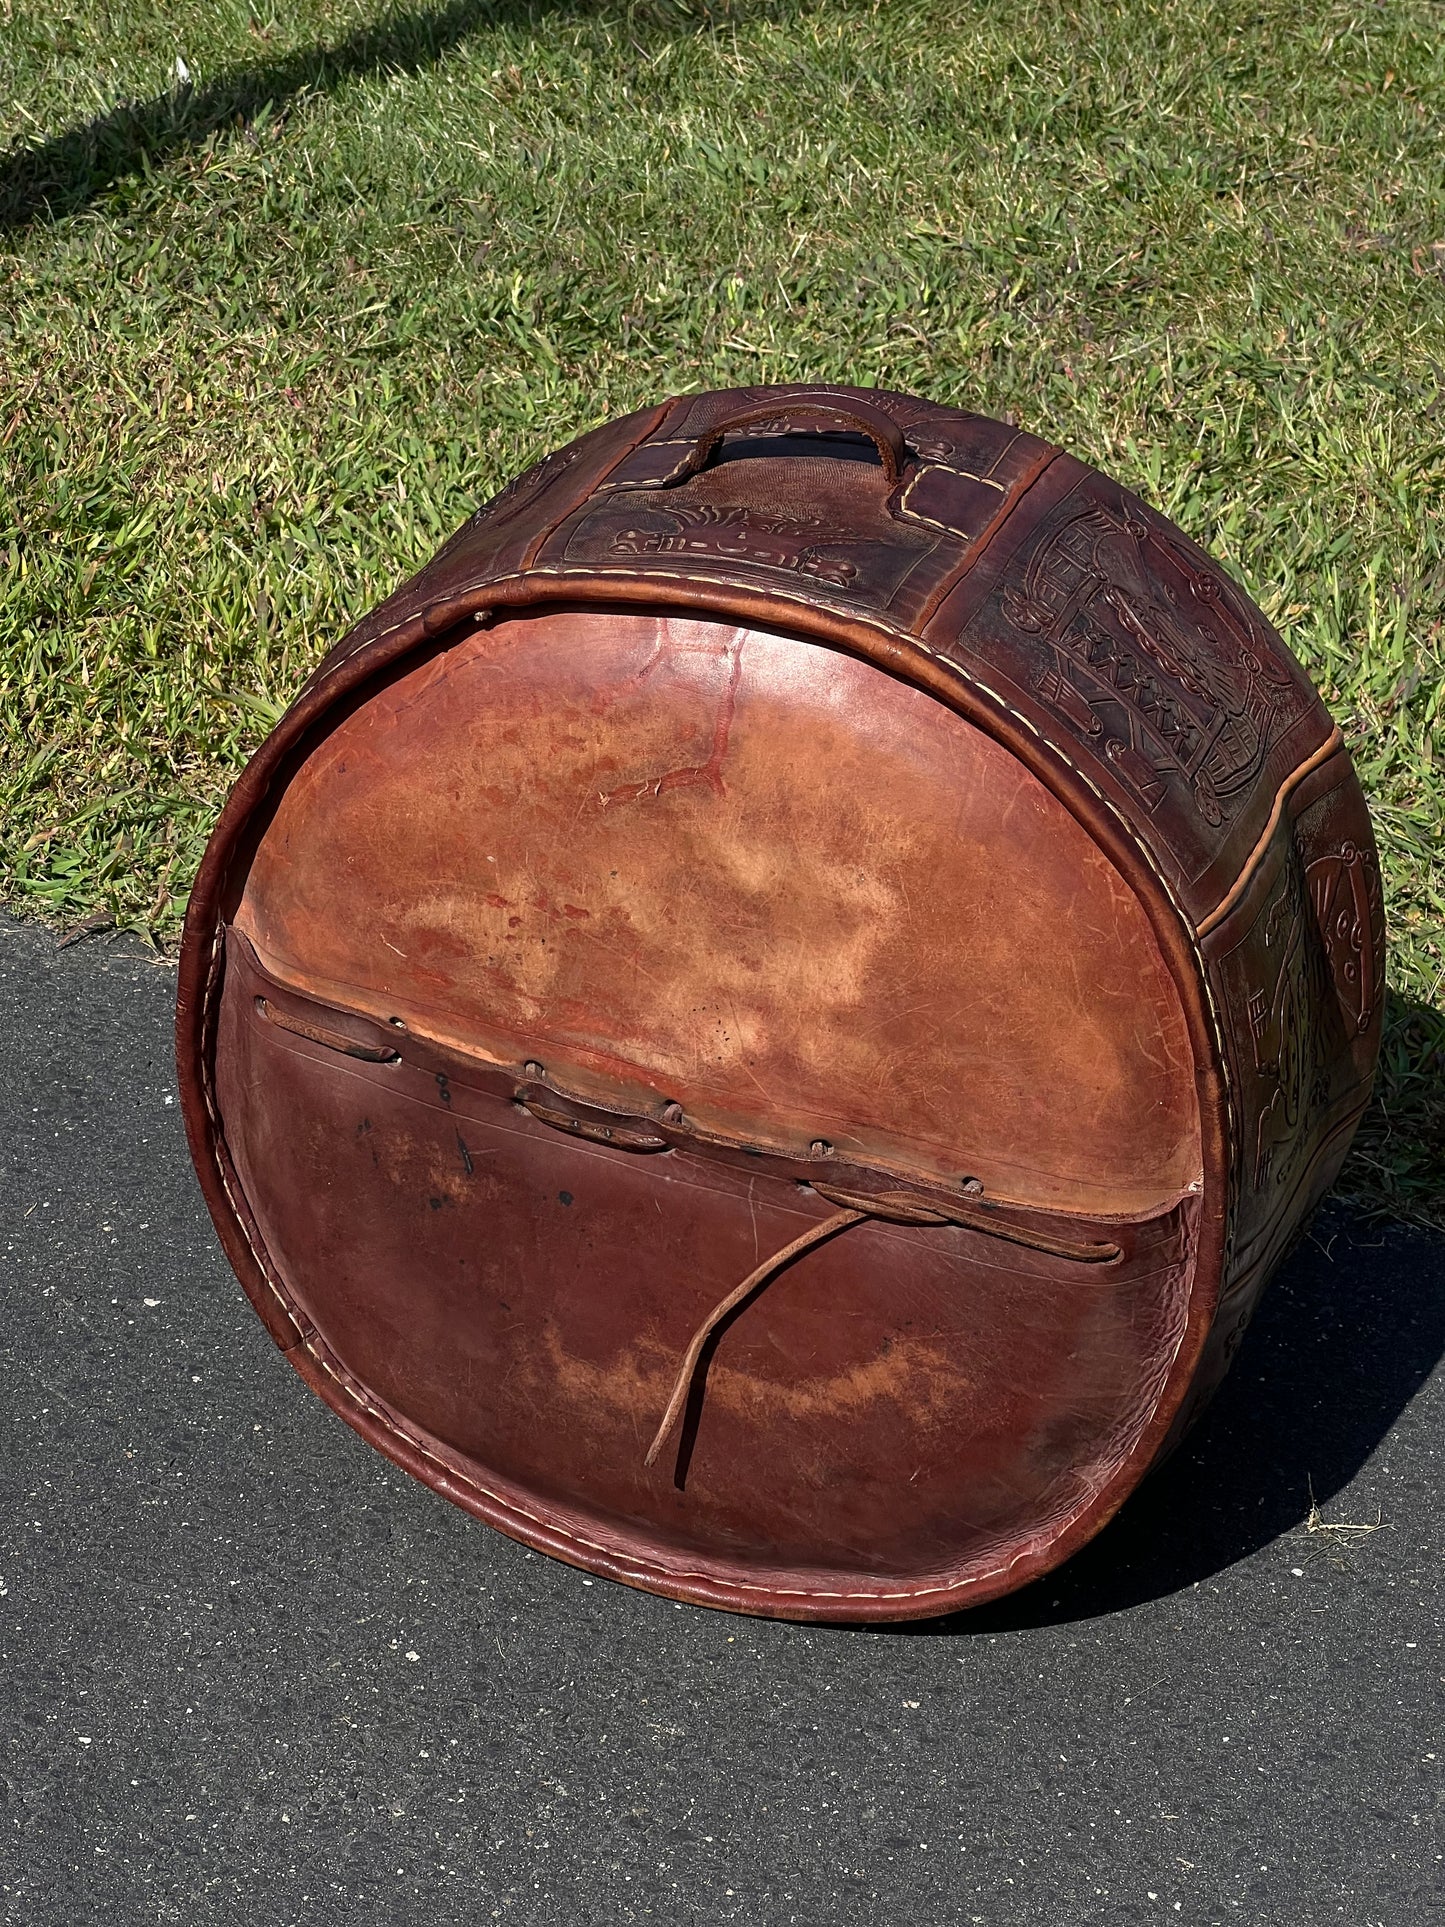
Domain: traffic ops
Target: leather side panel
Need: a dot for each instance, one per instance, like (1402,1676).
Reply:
(1156,677)
(1298,966)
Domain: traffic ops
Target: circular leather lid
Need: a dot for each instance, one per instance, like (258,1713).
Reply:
(682,861)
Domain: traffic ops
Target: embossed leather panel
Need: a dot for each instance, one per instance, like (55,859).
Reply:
(1300,965)
(1140,659)
(1076,604)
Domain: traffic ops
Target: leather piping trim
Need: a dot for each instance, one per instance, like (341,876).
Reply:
(1330,747)
(220,1157)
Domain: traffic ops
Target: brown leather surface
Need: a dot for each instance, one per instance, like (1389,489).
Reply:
(900,1401)
(689,860)
(1078,608)
(773,797)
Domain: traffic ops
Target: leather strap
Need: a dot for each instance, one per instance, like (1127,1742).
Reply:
(333,1039)
(877,425)
(894,1207)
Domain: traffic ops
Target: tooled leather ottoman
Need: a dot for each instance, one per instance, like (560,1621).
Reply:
(762,1023)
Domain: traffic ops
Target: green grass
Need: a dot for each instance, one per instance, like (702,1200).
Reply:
(266,339)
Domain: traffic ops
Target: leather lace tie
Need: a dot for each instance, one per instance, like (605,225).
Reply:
(894,1207)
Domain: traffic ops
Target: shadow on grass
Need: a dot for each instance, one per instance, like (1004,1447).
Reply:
(45,181)
(1397,1162)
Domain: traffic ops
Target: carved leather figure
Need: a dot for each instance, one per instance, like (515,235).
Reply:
(762,1023)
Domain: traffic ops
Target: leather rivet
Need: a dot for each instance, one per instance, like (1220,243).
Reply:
(821,1148)
(672,1113)
(533,1068)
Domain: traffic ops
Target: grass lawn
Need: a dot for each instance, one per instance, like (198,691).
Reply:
(289,290)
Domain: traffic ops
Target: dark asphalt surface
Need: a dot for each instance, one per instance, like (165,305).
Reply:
(249,1672)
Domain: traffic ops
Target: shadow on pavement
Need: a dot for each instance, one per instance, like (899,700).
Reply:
(1398,1155)
(1347,1333)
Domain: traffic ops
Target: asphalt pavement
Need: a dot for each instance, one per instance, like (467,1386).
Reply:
(249,1672)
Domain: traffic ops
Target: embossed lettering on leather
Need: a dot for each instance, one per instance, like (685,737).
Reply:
(738,533)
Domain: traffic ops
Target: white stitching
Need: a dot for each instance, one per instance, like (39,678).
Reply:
(642,1567)
(964,475)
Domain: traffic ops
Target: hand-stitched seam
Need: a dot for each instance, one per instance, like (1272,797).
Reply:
(951,528)
(963,474)
(574,501)
(639,1567)
(973,553)
(218,1137)
(612,484)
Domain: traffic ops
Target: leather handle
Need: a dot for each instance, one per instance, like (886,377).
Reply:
(880,428)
